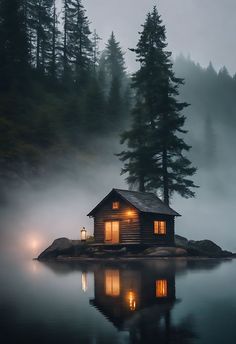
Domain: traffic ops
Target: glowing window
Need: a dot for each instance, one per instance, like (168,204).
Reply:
(112,282)
(161,288)
(115,205)
(160,227)
(108,231)
(112,232)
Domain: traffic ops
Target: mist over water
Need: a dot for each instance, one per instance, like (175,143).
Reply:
(57,205)
(66,302)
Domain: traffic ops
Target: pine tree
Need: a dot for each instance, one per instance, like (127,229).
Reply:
(115,64)
(114,103)
(55,45)
(77,46)
(157,90)
(138,161)
(112,65)
(96,52)
(40,25)
(14,50)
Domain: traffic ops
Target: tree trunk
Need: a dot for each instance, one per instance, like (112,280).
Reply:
(165,177)
(39,36)
(65,57)
(141,184)
(53,64)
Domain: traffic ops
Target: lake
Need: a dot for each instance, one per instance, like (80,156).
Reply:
(156,301)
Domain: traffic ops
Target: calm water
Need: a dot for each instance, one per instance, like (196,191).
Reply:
(151,302)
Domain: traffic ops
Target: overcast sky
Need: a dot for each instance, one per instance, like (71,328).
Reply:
(205,29)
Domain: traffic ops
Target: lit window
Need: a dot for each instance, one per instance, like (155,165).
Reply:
(112,232)
(115,205)
(112,282)
(160,227)
(161,288)
(108,231)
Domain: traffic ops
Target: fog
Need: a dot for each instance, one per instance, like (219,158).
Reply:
(56,205)
(203,29)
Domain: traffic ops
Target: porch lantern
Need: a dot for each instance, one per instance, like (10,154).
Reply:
(83,234)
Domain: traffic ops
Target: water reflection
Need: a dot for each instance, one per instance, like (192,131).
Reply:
(84,281)
(126,302)
(138,298)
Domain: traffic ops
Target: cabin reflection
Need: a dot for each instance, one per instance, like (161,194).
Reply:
(122,293)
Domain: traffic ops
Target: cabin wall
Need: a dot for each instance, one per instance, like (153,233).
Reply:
(129,223)
(147,230)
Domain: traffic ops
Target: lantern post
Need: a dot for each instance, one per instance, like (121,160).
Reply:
(83,234)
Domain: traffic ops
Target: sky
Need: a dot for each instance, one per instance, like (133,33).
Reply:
(203,29)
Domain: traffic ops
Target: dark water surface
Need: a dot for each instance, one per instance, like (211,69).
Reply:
(140,302)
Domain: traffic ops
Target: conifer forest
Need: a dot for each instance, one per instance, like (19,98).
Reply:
(63,96)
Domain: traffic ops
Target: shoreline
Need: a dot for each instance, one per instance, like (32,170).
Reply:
(121,259)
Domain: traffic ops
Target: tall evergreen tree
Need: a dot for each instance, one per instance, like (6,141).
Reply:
(96,52)
(115,63)
(14,50)
(112,66)
(157,90)
(55,45)
(40,25)
(77,46)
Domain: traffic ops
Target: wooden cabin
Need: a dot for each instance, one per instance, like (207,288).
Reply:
(131,217)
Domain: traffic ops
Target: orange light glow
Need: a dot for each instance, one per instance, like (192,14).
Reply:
(160,227)
(84,281)
(33,244)
(112,232)
(131,300)
(130,213)
(112,282)
(115,205)
(161,288)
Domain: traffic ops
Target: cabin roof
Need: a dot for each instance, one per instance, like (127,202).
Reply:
(145,202)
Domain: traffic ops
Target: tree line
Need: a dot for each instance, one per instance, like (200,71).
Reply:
(58,92)
(57,89)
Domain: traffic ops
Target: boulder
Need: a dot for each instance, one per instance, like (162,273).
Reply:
(165,252)
(64,247)
(61,246)
(206,248)
(202,248)
(181,241)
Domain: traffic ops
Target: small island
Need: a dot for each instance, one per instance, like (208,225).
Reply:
(63,249)
(132,224)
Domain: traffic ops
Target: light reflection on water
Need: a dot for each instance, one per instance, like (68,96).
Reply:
(162,301)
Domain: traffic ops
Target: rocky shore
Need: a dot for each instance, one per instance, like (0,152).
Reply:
(66,249)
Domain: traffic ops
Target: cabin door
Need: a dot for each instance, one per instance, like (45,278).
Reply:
(112,232)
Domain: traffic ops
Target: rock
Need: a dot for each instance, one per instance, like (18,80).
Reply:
(181,241)
(64,247)
(165,252)
(202,248)
(205,247)
(61,246)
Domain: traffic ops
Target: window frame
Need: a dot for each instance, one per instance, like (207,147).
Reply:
(158,230)
(115,205)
